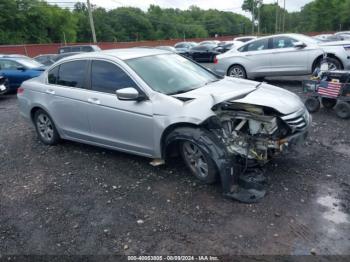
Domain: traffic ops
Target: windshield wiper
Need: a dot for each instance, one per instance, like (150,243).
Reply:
(181,91)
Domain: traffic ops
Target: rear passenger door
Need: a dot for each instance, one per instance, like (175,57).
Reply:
(123,125)
(257,57)
(67,96)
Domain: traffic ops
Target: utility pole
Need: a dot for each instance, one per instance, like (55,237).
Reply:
(276,25)
(253,18)
(91,22)
(259,7)
(284,14)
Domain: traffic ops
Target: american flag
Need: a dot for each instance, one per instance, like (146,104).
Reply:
(330,89)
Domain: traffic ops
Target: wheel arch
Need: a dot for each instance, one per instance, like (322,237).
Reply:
(166,150)
(331,55)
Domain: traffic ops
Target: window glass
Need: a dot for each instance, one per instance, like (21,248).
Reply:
(107,77)
(258,45)
(72,74)
(86,49)
(76,49)
(64,50)
(171,73)
(283,42)
(53,75)
(9,65)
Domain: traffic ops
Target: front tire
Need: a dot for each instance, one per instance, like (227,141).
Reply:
(333,64)
(45,128)
(198,162)
(199,148)
(237,71)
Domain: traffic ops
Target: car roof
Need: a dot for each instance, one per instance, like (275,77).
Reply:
(123,53)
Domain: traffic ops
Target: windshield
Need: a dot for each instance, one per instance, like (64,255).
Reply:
(29,63)
(171,73)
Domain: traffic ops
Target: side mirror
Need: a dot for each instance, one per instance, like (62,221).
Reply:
(299,44)
(129,94)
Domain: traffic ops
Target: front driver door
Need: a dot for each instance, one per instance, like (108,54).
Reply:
(287,59)
(123,125)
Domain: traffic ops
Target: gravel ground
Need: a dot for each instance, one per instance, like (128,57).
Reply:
(78,199)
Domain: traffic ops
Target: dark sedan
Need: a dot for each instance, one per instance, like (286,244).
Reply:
(204,53)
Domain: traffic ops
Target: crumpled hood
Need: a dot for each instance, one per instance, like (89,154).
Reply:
(245,91)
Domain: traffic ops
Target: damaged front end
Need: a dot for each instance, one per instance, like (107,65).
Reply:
(252,135)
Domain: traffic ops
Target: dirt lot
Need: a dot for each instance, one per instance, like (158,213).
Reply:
(77,199)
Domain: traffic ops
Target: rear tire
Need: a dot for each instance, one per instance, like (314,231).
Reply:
(237,71)
(342,109)
(328,103)
(312,104)
(45,128)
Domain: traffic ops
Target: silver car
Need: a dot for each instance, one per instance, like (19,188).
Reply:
(282,55)
(155,103)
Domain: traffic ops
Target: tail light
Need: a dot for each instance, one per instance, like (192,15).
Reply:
(215,60)
(20,90)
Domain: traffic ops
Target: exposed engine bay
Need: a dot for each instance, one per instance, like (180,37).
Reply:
(250,131)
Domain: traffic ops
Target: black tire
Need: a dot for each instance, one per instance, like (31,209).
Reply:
(312,104)
(342,109)
(334,63)
(204,146)
(328,103)
(45,128)
(237,71)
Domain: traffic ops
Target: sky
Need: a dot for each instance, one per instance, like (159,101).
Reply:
(224,5)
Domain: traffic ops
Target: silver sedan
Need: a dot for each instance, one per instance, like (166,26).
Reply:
(155,103)
(282,55)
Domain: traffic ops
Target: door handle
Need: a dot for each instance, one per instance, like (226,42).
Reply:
(94,101)
(50,91)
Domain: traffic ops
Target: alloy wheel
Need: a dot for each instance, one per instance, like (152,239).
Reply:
(237,72)
(45,127)
(195,159)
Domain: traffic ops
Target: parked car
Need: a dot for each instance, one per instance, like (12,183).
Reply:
(64,55)
(17,70)
(78,48)
(14,56)
(3,85)
(282,55)
(328,38)
(244,39)
(203,53)
(167,48)
(228,45)
(209,42)
(184,47)
(47,59)
(154,103)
